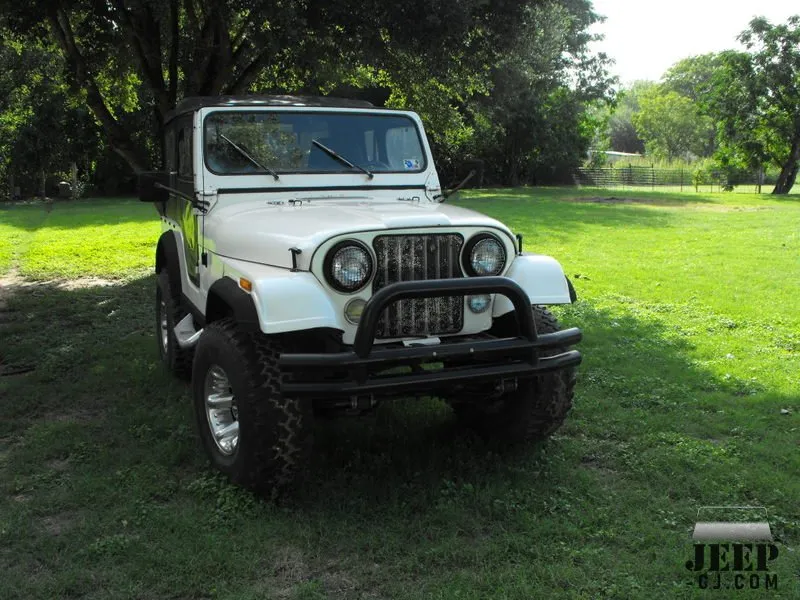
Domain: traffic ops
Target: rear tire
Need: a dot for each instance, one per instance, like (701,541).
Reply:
(274,432)
(535,409)
(169,312)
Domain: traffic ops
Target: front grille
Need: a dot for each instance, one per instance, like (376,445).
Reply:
(414,258)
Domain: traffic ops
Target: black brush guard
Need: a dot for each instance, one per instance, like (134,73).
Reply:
(361,368)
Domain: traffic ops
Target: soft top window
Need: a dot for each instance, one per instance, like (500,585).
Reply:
(242,142)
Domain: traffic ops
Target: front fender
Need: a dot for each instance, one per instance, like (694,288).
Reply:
(541,277)
(285,300)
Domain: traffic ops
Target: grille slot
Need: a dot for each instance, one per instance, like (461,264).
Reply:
(415,258)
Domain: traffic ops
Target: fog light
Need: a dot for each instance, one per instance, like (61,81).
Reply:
(479,304)
(353,310)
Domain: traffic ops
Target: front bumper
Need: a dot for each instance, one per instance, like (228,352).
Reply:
(361,369)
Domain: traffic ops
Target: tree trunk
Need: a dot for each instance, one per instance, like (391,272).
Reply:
(759,178)
(42,187)
(789,168)
(75,193)
(119,138)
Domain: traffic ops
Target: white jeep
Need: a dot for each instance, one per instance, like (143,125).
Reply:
(308,265)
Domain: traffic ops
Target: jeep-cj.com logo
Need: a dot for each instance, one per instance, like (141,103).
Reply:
(733,554)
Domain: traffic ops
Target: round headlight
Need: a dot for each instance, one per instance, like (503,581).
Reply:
(486,255)
(348,266)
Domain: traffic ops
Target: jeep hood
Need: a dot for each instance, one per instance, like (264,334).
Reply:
(260,232)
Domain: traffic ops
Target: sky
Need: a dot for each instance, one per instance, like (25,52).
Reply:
(646,37)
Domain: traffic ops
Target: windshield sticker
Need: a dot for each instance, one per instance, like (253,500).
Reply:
(410,164)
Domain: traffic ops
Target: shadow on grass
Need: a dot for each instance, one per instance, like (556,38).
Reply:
(100,434)
(95,356)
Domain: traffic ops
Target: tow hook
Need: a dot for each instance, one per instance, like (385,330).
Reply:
(185,333)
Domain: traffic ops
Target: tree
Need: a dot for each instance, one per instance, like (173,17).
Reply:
(127,54)
(43,128)
(533,125)
(769,90)
(671,125)
(693,77)
(622,134)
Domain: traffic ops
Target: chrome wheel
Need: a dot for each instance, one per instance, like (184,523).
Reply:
(221,411)
(163,326)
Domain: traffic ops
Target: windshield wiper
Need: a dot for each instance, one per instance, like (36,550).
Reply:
(246,154)
(340,158)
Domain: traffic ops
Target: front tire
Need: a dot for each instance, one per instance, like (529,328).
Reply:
(535,409)
(169,312)
(251,432)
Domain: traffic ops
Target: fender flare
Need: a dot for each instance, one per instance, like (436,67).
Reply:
(286,300)
(167,256)
(573,295)
(225,297)
(541,277)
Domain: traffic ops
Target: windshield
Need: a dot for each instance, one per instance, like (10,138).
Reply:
(296,142)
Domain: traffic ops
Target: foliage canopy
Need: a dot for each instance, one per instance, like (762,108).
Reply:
(464,65)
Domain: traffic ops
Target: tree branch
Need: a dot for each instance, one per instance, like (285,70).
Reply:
(224,56)
(248,74)
(144,36)
(174,47)
(59,24)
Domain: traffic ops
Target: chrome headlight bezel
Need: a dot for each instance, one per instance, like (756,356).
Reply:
(329,266)
(468,261)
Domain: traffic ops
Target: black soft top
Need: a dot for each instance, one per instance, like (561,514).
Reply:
(193,103)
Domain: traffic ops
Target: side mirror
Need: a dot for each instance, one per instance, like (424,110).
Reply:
(152,186)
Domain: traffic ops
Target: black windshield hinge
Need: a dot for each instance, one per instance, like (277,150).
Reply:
(519,244)
(295,253)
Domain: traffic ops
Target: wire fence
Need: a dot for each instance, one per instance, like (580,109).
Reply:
(668,179)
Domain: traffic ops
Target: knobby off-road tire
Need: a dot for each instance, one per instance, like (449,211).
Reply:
(535,409)
(178,360)
(275,432)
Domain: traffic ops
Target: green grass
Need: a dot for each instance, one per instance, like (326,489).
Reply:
(90,238)
(691,314)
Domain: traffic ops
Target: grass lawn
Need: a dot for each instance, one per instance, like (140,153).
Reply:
(110,239)
(690,306)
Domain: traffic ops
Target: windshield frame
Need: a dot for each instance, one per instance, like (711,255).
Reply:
(364,113)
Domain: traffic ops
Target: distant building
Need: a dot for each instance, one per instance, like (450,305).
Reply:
(613,156)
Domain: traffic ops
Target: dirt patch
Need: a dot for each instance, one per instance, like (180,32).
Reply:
(289,567)
(84,282)
(57,524)
(598,465)
(77,416)
(58,464)
(12,283)
(8,285)
(338,584)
